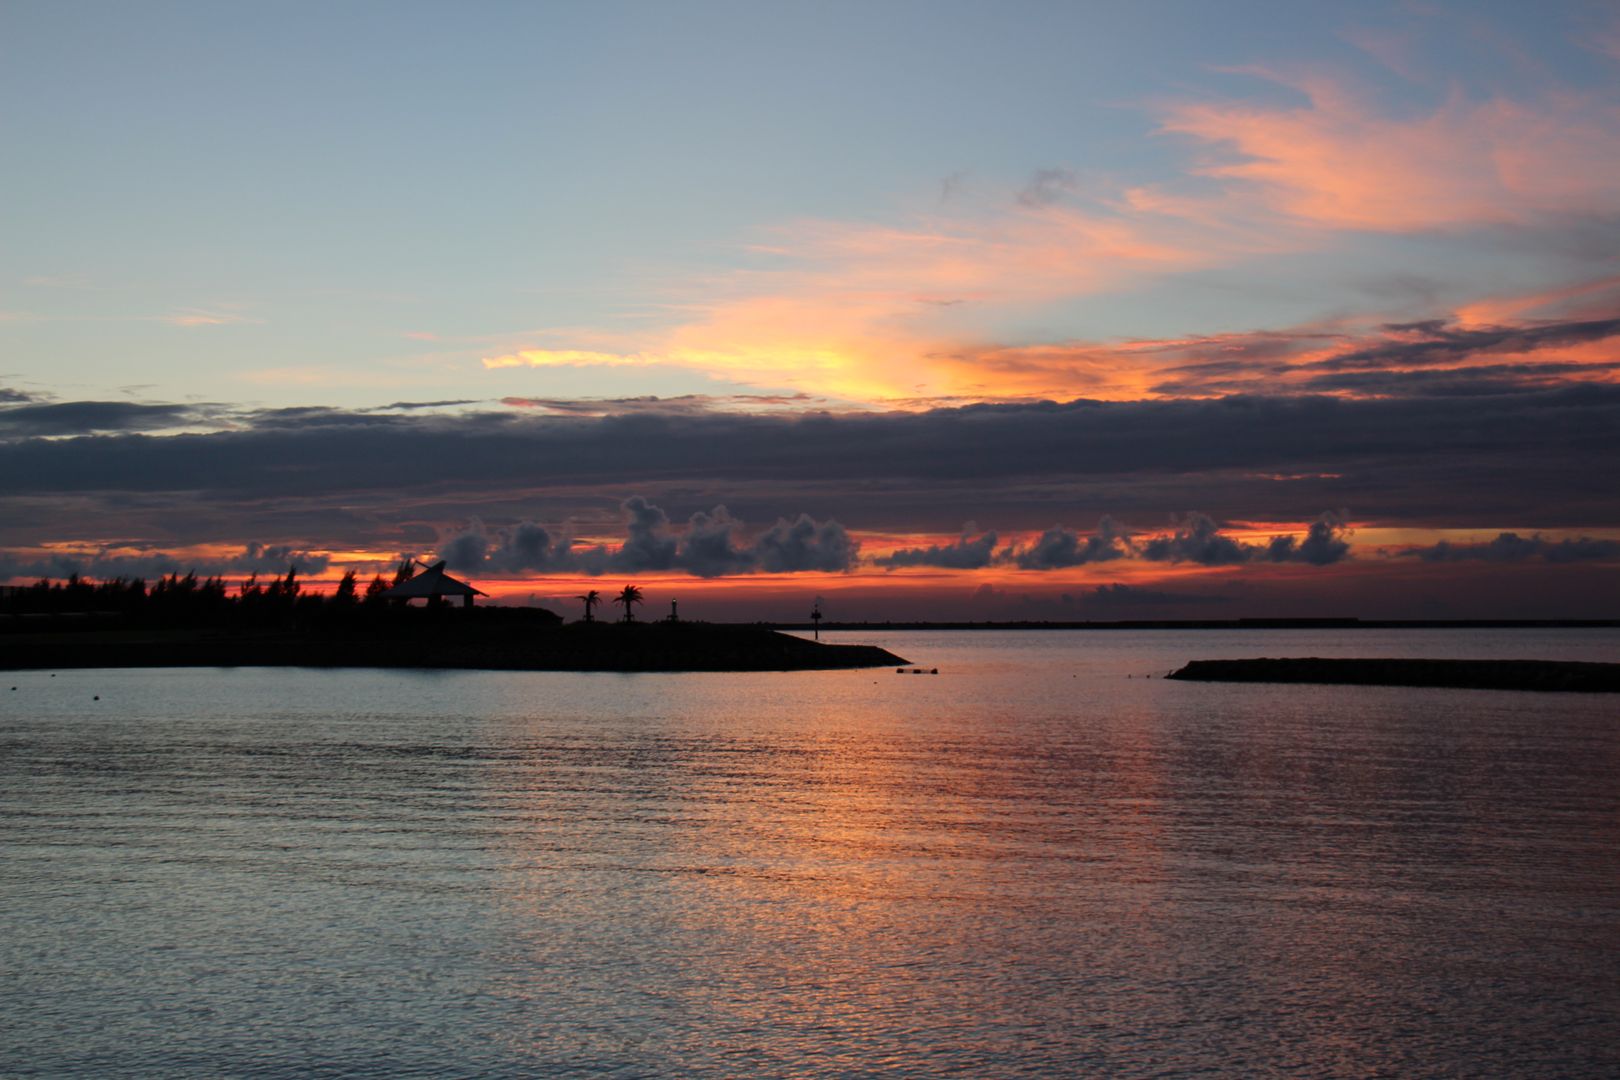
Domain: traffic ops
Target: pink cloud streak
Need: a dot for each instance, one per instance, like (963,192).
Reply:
(891,314)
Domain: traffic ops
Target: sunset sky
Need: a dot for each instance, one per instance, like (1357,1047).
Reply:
(1039,310)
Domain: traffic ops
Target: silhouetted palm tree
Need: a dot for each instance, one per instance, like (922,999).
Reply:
(591,599)
(630,597)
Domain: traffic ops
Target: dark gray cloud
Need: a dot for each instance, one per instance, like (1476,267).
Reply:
(59,565)
(254,558)
(968,553)
(89,417)
(1394,362)
(318,417)
(290,452)
(1509,547)
(9,395)
(805,544)
(1197,538)
(270,559)
(529,546)
(467,550)
(1059,547)
(1457,382)
(710,545)
(1433,342)
(1324,543)
(647,543)
(374,479)
(411,405)
(524,547)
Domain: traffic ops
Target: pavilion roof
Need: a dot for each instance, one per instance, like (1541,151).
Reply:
(432,582)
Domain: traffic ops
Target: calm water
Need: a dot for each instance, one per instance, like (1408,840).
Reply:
(1031,864)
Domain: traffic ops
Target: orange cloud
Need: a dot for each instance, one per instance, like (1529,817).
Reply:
(909,315)
(877,314)
(1582,300)
(1336,162)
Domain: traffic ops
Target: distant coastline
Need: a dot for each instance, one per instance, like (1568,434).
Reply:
(1221,624)
(1541,675)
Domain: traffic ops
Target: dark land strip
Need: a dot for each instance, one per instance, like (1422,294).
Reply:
(450,640)
(1226,624)
(1547,675)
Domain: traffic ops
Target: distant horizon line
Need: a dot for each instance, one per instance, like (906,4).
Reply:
(1328,623)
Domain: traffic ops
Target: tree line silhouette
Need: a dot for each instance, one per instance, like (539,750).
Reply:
(189,599)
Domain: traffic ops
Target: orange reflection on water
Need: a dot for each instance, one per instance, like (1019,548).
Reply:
(819,863)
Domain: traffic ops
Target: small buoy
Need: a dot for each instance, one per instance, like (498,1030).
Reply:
(934,672)
(96,698)
(14,688)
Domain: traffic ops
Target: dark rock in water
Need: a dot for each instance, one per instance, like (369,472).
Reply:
(447,640)
(1464,674)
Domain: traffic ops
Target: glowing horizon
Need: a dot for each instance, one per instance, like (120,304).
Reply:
(1274,271)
